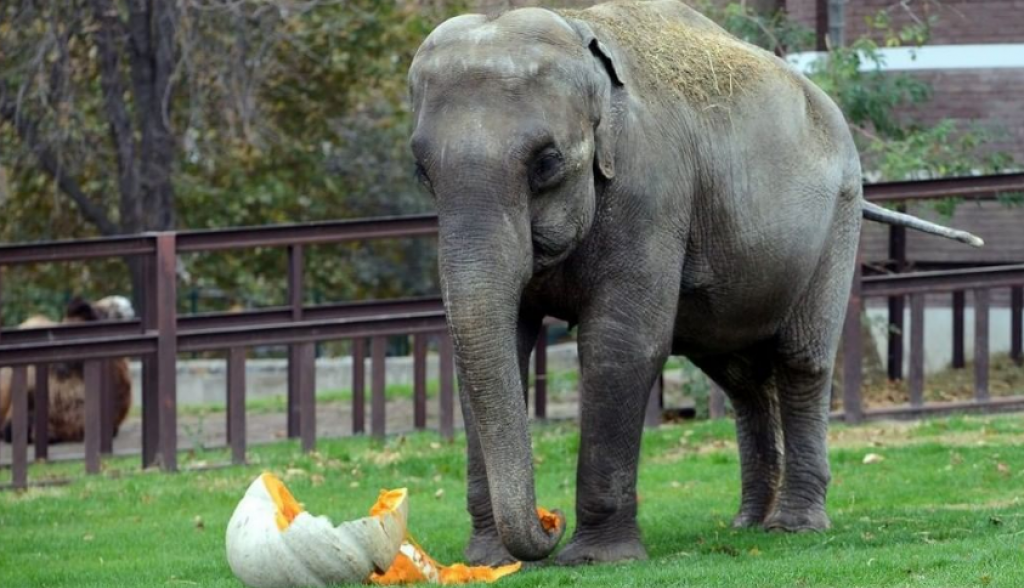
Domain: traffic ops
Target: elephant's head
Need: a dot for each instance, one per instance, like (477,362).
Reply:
(513,133)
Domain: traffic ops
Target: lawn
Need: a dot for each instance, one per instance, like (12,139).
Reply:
(943,508)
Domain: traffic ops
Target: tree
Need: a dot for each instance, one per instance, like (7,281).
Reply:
(133,52)
(136,115)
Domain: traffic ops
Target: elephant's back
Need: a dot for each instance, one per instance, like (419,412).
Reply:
(676,53)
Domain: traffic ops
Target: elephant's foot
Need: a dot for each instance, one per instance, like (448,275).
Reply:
(486,549)
(797,521)
(748,518)
(601,548)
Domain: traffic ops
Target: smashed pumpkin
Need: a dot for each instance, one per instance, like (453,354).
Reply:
(272,542)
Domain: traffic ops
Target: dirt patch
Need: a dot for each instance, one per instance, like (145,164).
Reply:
(1005,379)
(698,62)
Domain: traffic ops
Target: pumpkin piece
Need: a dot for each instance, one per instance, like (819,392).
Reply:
(272,542)
(548,520)
(413,565)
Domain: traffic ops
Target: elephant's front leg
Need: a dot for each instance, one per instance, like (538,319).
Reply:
(485,546)
(621,354)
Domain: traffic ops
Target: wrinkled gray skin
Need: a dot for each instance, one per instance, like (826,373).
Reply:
(659,229)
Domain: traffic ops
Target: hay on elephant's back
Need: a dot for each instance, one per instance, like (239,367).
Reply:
(698,63)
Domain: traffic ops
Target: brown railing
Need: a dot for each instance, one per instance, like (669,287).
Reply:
(160,334)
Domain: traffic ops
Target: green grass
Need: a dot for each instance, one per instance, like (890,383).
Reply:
(279,403)
(942,509)
(560,383)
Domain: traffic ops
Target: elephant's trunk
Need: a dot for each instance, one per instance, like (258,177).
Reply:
(484,268)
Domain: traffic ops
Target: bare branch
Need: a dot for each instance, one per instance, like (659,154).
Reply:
(28,131)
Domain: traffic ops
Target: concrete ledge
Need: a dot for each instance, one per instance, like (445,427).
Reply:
(204,381)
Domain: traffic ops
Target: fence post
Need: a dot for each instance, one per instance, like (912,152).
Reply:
(296,272)
(853,351)
(1017,324)
(150,380)
(540,376)
(898,255)
(93,381)
(419,380)
(958,329)
(19,426)
(981,344)
(447,417)
(236,404)
(106,408)
(307,395)
(167,347)
(378,417)
(916,380)
(42,412)
(358,386)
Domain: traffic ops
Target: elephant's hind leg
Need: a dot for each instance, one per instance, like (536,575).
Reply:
(804,412)
(803,373)
(746,377)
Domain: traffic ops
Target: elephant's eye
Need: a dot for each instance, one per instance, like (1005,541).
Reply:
(546,170)
(423,178)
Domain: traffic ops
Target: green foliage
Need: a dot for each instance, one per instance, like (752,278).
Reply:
(284,113)
(942,509)
(775,32)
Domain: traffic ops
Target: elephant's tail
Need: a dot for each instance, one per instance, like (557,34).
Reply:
(884,215)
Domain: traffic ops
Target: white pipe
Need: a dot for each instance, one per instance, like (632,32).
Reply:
(930,58)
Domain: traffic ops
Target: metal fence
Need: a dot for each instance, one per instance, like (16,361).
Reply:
(161,334)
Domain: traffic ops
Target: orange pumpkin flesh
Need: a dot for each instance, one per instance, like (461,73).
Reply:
(387,501)
(413,565)
(287,507)
(548,520)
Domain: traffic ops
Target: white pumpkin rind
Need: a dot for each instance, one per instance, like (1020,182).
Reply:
(311,551)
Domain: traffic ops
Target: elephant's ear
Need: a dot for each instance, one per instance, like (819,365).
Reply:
(604,147)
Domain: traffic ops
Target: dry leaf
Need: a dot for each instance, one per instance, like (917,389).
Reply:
(873,458)
(439,494)
(198,522)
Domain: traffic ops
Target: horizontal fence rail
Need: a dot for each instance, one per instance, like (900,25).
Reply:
(979,282)
(160,334)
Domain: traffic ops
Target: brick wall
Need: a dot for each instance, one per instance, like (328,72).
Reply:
(959,22)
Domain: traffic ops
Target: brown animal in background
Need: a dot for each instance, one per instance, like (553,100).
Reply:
(66,385)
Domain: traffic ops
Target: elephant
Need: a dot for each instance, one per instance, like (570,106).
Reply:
(666,188)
